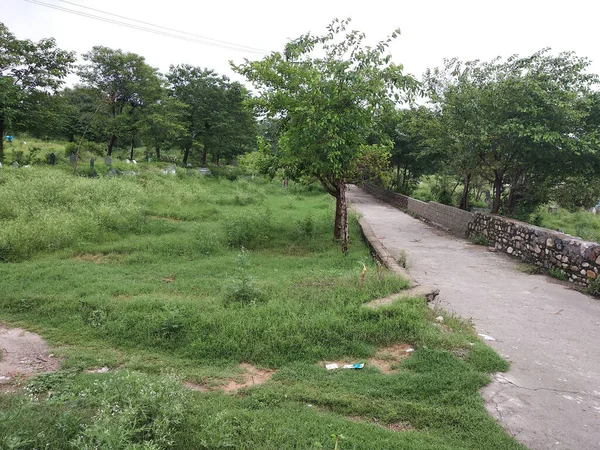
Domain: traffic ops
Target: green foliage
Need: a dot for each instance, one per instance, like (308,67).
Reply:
(242,289)
(580,223)
(216,118)
(594,287)
(480,239)
(45,210)
(128,86)
(250,230)
(133,411)
(443,189)
(557,273)
(87,148)
(28,72)
(326,92)
(577,192)
(522,122)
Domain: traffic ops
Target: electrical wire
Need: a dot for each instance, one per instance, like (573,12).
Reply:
(216,43)
(164,28)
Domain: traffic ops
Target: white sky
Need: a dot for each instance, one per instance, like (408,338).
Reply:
(431,30)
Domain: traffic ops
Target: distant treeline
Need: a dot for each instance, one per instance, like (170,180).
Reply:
(524,128)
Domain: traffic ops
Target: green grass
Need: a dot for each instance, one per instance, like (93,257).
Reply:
(171,278)
(581,223)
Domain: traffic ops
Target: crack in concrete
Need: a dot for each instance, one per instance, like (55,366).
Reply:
(559,391)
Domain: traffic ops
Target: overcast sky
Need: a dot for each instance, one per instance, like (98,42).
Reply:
(431,30)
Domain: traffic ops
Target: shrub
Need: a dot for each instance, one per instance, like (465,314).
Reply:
(480,239)
(249,230)
(242,288)
(306,227)
(594,287)
(133,411)
(557,273)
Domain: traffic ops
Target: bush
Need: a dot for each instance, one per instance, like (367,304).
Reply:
(242,288)
(480,239)
(559,274)
(249,230)
(133,411)
(594,287)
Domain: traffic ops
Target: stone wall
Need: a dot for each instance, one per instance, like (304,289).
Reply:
(578,259)
(391,197)
(451,219)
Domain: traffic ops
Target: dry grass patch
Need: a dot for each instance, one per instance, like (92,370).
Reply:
(97,258)
(387,359)
(251,376)
(396,427)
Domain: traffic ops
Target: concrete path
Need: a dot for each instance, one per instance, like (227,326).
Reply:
(550,398)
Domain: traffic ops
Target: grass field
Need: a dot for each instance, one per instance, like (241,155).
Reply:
(166,279)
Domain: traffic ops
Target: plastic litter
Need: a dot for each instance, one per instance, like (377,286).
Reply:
(345,366)
(353,366)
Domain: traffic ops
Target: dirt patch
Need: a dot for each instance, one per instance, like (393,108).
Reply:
(24,354)
(388,357)
(251,376)
(396,427)
(96,258)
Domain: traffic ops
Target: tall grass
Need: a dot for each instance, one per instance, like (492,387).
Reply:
(580,223)
(45,209)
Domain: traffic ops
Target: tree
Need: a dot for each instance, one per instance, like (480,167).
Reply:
(217,119)
(327,90)
(518,122)
(163,123)
(413,133)
(127,84)
(27,69)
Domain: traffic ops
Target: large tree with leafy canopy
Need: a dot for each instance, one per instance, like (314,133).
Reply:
(521,122)
(27,69)
(127,85)
(328,90)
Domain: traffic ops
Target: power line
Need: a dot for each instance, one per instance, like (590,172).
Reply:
(164,28)
(219,44)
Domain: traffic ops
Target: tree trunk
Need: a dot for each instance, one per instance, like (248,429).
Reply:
(217,158)
(111,144)
(2,139)
(344,218)
(464,201)
(498,181)
(186,154)
(131,149)
(337,226)
(204,153)
(511,201)
(157,149)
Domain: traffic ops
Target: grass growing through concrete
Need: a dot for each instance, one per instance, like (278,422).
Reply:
(166,279)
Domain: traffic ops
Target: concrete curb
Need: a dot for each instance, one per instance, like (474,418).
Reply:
(383,255)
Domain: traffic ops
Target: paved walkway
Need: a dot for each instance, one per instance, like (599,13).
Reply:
(550,398)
